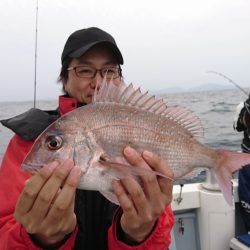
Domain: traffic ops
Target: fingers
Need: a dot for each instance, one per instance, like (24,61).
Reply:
(61,215)
(142,204)
(134,158)
(32,188)
(65,200)
(153,185)
(159,165)
(50,189)
(150,182)
(43,188)
(50,209)
(131,196)
(123,198)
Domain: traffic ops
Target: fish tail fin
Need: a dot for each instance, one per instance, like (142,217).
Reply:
(229,162)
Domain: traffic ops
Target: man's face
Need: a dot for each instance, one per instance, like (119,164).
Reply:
(97,58)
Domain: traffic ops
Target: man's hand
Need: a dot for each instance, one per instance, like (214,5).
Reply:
(143,205)
(45,207)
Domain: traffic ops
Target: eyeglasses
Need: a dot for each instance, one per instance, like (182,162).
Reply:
(89,72)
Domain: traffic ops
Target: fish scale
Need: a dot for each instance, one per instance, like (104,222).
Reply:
(114,126)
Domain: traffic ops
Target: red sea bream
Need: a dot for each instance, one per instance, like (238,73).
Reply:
(95,134)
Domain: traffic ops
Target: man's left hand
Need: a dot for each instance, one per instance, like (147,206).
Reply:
(143,204)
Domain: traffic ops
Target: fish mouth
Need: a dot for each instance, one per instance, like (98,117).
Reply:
(34,165)
(31,167)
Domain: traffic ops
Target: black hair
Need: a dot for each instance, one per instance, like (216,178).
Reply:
(64,73)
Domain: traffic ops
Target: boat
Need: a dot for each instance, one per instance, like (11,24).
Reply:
(203,219)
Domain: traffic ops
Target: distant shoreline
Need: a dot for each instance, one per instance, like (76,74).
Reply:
(160,92)
(201,88)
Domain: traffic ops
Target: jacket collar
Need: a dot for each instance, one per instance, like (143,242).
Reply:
(67,104)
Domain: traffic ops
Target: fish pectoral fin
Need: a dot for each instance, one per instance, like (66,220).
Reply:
(120,170)
(110,196)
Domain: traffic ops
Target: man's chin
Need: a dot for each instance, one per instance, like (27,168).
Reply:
(89,99)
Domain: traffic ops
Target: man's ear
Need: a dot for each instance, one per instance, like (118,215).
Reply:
(64,82)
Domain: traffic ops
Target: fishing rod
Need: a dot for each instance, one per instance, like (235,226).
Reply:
(35,54)
(230,80)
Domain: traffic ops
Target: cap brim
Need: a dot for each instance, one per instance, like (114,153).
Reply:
(78,53)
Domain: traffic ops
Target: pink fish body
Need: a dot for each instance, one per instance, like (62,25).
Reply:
(95,134)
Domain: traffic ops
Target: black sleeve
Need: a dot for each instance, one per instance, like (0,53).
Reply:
(31,123)
(241,126)
(246,115)
(243,122)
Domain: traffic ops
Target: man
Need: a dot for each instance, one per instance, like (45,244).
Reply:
(242,123)
(48,210)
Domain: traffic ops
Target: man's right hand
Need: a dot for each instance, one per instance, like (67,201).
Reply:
(45,207)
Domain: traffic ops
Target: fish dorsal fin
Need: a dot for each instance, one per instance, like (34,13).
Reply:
(128,95)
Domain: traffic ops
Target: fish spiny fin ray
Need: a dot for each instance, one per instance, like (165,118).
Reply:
(128,95)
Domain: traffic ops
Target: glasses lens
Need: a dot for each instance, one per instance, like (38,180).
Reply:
(83,71)
(88,72)
(111,73)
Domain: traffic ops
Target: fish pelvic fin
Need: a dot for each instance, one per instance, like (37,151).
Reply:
(128,95)
(228,162)
(111,197)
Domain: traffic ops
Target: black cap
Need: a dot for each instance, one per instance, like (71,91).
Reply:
(82,40)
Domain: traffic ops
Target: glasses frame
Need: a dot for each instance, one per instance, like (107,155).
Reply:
(96,70)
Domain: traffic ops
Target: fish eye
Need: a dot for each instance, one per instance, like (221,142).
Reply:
(54,142)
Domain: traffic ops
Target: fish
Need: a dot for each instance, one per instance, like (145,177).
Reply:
(94,136)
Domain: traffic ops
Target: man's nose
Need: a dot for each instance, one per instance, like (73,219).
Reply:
(96,81)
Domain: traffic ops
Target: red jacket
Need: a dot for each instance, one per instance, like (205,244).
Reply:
(13,234)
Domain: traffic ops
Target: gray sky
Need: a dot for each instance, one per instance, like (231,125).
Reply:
(164,43)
